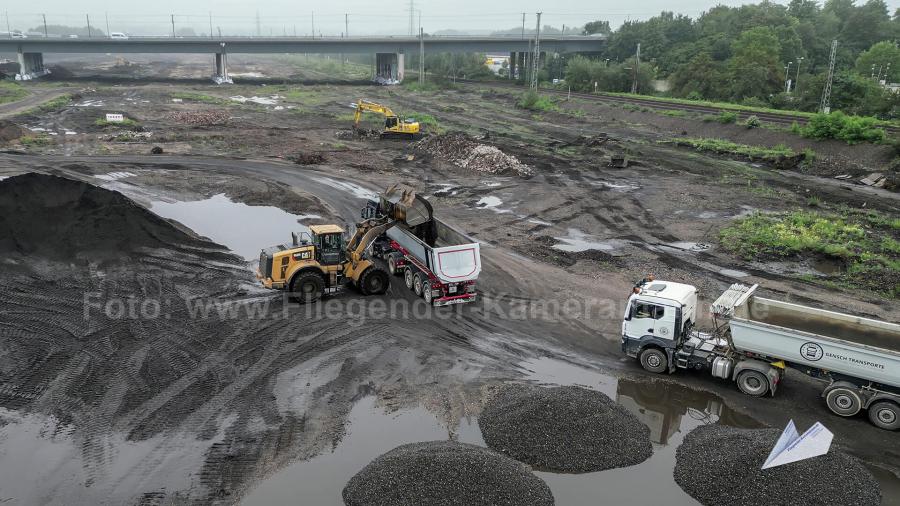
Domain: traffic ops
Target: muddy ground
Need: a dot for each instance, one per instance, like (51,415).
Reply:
(259,402)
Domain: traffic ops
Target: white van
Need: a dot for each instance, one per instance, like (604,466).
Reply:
(118,36)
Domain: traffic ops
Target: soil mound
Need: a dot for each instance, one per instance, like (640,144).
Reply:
(720,465)
(59,218)
(569,429)
(463,151)
(9,131)
(445,473)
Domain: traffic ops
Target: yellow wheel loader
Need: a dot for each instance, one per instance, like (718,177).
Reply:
(394,127)
(321,262)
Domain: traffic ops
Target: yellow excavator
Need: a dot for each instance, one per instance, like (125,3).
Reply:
(394,127)
(320,262)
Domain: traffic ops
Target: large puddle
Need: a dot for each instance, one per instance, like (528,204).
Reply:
(243,229)
(671,411)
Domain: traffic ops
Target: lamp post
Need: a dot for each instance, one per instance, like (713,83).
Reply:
(797,80)
(787,84)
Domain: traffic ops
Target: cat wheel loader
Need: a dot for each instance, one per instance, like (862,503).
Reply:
(321,262)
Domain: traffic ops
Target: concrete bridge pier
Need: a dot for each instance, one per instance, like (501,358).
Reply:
(31,66)
(389,68)
(221,75)
(512,68)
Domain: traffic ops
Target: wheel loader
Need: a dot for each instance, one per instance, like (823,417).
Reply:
(321,262)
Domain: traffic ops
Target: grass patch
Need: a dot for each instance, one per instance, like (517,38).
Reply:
(722,146)
(532,101)
(304,96)
(37,140)
(127,122)
(869,250)
(677,113)
(10,92)
(200,97)
(56,104)
(727,117)
(426,121)
(837,125)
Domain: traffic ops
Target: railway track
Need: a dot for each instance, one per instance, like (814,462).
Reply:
(785,119)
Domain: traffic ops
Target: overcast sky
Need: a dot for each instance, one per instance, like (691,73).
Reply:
(366,16)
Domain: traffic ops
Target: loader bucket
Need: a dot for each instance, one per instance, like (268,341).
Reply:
(400,202)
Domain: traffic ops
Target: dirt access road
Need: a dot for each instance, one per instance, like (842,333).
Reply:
(487,334)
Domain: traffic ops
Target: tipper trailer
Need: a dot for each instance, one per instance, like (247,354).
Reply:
(754,339)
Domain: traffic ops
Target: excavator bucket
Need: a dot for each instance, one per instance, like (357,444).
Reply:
(400,202)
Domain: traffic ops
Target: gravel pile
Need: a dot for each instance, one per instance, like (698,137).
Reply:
(720,465)
(201,118)
(437,473)
(568,429)
(463,151)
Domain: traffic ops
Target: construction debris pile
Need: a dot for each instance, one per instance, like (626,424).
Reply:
(569,429)
(201,118)
(304,158)
(463,151)
(720,465)
(438,473)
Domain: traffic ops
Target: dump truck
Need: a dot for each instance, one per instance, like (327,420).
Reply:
(437,262)
(322,261)
(753,340)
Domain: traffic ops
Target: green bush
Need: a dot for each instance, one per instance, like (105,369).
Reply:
(837,125)
(752,121)
(726,117)
(532,101)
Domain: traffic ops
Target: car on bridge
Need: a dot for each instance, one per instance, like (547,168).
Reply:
(118,36)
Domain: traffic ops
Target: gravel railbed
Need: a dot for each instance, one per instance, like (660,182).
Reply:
(720,465)
(438,473)
(569,429)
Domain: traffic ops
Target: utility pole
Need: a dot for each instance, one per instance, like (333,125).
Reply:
(787,71)
(173,25)
(412,17)
(106,15)
(421,56)
(258,26)
(637,68)
(8,31)
(523,26)
(825,105)
(797,79)
(347,25)
(88,18)
(220,31)
(210,25)
(536,60)
(45,25)
(312,20)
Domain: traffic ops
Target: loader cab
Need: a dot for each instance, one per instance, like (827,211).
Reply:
(329,243)
(391,122)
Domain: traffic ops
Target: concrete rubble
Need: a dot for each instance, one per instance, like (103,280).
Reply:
(438,473)
(201,118)
(720,465)
(463,151)
(570,429)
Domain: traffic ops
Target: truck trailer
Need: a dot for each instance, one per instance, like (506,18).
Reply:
(754,339)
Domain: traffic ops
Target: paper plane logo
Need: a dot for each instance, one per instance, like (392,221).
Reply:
(793,447)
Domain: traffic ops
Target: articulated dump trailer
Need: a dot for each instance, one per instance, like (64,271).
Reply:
(755,338)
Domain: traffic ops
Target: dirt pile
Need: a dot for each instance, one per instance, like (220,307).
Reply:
(463,151)
(720,465)
(570,429)
(445,473)
(201,118)
(305,158)
(58,218)
(9,131)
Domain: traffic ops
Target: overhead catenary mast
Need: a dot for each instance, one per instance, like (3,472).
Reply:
(825,105)
(536,55)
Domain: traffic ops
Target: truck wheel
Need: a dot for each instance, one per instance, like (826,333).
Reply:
(426,292)
(408,278)
(392,265)
(654,360)
(843,401)
(417,284)
(753,383)
(374,281)
(307,287)
(885,415)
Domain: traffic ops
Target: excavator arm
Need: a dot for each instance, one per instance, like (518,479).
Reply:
(366,106)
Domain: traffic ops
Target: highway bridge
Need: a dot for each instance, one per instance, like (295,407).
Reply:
(389,51)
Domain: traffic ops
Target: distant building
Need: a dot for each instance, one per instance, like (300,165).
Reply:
(496,62)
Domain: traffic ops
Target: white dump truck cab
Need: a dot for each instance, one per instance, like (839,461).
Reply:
(659,316)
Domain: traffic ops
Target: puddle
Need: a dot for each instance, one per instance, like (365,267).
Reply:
(622,187)
(272,100)
(444,189)
(733,273)
(670,411)
(90,103)
(42,462)
(246,74)
(540,222)
(243,229)
(356,190)
(689,246)
(577,241)
(112,176)
(303,217)
(489,202)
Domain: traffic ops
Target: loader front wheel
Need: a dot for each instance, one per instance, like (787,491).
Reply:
(374,281)
(307,287)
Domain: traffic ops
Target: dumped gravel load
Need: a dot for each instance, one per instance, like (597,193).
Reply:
(438,473)
(463,151)
(720,465)
(569,429)
(201,118)
(59,218)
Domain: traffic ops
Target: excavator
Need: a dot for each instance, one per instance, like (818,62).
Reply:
(394,127)
(322,262)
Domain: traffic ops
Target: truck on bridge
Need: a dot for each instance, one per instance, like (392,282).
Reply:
(754,339)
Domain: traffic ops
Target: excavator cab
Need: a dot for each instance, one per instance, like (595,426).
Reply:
(329,243)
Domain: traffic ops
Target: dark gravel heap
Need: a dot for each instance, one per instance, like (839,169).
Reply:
(568,429)
(720,465)
(439,473)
